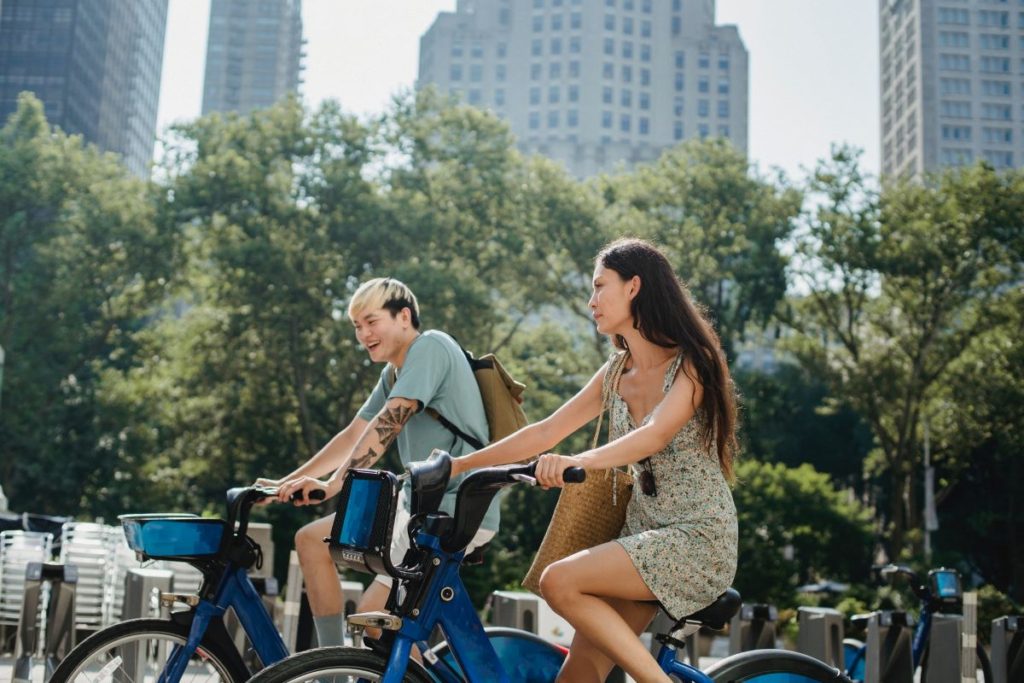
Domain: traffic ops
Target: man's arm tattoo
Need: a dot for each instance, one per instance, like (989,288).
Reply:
(390,422)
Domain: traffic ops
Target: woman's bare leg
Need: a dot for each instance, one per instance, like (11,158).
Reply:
(586,662)
(579,588)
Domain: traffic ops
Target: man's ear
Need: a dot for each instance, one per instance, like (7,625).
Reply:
(405,315)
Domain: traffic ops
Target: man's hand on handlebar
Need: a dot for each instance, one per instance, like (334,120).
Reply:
(306,491)
(550,467)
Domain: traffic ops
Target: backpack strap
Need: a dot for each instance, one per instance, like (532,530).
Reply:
(445,422)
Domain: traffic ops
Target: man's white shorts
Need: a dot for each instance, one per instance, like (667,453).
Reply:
(400,538)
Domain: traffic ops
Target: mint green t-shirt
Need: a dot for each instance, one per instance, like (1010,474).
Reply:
(436,375)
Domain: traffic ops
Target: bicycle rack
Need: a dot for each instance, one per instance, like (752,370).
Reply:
(1008,649)
(752,628)
(945,656)
(889,658)
(59,621)
(821,634)
(142,588)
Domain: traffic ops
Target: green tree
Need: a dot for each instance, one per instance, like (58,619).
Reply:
(83,260)
(795,527)
(898,284)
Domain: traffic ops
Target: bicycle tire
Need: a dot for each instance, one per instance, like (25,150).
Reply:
(525,656)
(335,663)
(750,667)
(226,662)
(986,666)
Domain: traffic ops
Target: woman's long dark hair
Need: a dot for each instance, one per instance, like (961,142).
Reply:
(664,314)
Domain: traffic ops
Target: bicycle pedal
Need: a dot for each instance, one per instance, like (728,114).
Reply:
(168,599)
(381,620)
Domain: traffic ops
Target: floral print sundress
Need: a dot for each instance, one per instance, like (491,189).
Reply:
(683,541)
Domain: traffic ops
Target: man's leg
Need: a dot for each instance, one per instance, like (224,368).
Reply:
(323,588)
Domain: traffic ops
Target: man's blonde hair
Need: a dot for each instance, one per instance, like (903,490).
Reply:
(387,293)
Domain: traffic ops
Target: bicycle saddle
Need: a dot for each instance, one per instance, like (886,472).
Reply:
(429,482)
(717,614)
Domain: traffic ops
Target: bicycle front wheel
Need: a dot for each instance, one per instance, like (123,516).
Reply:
(136,651)
(337,664)
(773,666)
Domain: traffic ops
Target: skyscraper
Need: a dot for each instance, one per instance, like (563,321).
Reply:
(951,84)
(593,83)
(253,54)
(95,65)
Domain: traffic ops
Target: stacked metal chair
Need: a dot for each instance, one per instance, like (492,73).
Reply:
(87,546)
(17,549)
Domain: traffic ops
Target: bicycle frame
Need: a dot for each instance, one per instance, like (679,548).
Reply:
(237,592)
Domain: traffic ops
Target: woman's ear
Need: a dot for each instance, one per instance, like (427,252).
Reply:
(634,286)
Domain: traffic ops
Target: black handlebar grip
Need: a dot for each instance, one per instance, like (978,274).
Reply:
(574,475)
(315,494)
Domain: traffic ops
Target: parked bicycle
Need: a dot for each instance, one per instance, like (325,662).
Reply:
(428,592)
(192,644)
(939,593)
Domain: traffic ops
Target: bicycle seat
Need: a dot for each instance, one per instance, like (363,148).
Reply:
(717,614)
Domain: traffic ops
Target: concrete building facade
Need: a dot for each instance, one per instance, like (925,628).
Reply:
(594,83)
(254,54)
(95,65)
(952,84)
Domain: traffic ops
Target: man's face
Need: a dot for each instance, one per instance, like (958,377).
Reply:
(382,334)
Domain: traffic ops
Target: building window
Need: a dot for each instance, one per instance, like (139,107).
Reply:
(556,46)
(703,130)
(996,88)
(644,125)
(574,69)
(535,95)
(723,62)
(556,22)
(645,76)
(955,109)
(575,21)
(994,42)
(536,71)
(552,119)
(555,70)
(457,50)
(677,107)
(723,109)
(680,59)
(538,4)
(677,130)
(723,86)
(608,70)
(455,74)
(955,86)
(499,97)
(475,98)
(476,73)
(680,83)
(703,108)
(962,133)
(477,51)
(574,93)
(995,19)
(955,17)
(704,60)
(994,65)
(627,49)
(996,112)
(572,118)
(500,73)
(704,84)
(645,29)
(627,74)
(606,119)
(534,120)
(607,95)
(723,131)
(554,94)
(956,157)
(998,158)
(627,5)
(501,50)
(536,47)
(645,101)
(949,62)
(575,44)
(538,24)
(645,53)
(645,6)
(998,135)
(627,25)
(677,25)
(609,46)
(609,22)
(625,123)
(626,98)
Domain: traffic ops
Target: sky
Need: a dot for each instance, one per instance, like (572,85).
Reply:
(813,67)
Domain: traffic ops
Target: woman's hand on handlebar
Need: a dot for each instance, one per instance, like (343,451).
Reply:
(550,467)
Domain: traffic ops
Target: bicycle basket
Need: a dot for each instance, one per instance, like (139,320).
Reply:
(173,536)
(361,534)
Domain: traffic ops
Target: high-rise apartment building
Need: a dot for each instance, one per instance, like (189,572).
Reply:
(952,76)
(594,83)
(95,65)
(253,54)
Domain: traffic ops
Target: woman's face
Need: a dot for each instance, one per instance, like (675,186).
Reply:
(610,302)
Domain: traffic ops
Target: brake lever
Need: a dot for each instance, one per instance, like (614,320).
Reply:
(525,478)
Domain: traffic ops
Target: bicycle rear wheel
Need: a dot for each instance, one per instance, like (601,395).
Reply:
(136,651)
(773,666)
(336,664)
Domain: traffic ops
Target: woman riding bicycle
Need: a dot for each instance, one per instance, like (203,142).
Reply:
(673,420)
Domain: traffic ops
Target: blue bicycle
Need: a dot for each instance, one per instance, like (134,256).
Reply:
(939,593)
(428,592)
(193,644)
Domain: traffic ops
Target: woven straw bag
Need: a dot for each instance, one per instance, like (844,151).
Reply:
(590,513)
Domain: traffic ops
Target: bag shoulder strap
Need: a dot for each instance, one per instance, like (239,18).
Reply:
(616,364)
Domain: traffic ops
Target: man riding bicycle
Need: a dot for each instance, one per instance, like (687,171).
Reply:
(431,371)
